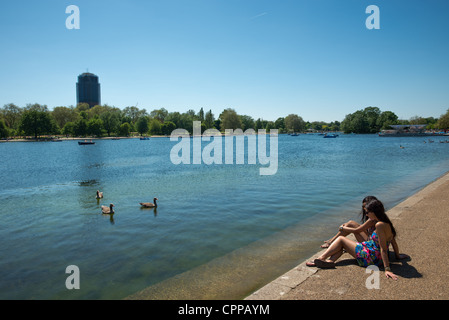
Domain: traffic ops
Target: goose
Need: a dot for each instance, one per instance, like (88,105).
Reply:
(149,204)
(99,195)
(107,210)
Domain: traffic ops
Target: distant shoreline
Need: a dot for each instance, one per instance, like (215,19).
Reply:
(57,139)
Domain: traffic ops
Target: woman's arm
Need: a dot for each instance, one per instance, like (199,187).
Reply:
(395,248)
(381,232)
(368,224)
(398,255)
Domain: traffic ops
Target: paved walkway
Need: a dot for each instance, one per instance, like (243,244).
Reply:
(421,222)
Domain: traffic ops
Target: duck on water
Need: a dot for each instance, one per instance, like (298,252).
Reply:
(107,210)
(149,204)
(99,194)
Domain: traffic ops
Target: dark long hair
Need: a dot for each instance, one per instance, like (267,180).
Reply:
(365,201)
(376,207)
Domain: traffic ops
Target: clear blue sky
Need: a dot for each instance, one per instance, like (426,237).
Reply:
(264,58)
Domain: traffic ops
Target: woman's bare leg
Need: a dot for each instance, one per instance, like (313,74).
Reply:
(350,224)
(336,249)
(361,237)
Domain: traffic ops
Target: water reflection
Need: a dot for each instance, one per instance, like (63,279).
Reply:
(90,171)
(95,165)
(154,209)
(87,194)
(88,183)
(111,218)
(91,164)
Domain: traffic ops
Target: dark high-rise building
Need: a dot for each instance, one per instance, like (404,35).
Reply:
(88,89)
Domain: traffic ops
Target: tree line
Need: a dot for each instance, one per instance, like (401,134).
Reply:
(102,120)
(373,120)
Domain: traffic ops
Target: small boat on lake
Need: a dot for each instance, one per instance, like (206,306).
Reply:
(85,142)
(144,138)
(330,135)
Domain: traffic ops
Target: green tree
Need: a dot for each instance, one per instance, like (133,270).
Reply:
(294,123)
(280,124)
(355,123)
(317,125)
(417,120)
(36,107)
(443,121)
(154,127)
(159,114)
(230,119)
(62,115)
(82,107)
(217,124)
(80,128)
(11,115)
(84,115)
(97,111)
(168,127)
(346,124)
(125,129)
(386,119)
(191,113)
(95,127)
(36,122)
(111,120)
(200,115)
(186,120)
(359,123)
(431,122)
(371,115)
(258,124)
(334,126)
(174,117)
(270,125)
(209,119)
(134,114)
(247,122)
(69,129)
(142,125)
(4,132)
(368,120)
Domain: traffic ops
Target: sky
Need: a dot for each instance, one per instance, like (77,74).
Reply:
(263,58)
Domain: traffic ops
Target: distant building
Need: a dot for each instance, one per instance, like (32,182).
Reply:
(406,130)
(88,89)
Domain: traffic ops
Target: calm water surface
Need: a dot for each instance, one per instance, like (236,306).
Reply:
(220,231)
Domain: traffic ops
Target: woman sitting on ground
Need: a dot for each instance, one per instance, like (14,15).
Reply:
(371,252)
(362,232)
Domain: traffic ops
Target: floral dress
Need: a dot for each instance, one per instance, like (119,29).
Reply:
(368,252)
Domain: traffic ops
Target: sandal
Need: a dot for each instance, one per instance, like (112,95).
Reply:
(324,264)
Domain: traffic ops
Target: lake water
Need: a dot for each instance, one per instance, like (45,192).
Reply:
(219,232)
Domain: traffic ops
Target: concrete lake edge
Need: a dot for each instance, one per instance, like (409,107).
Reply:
(287,286)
